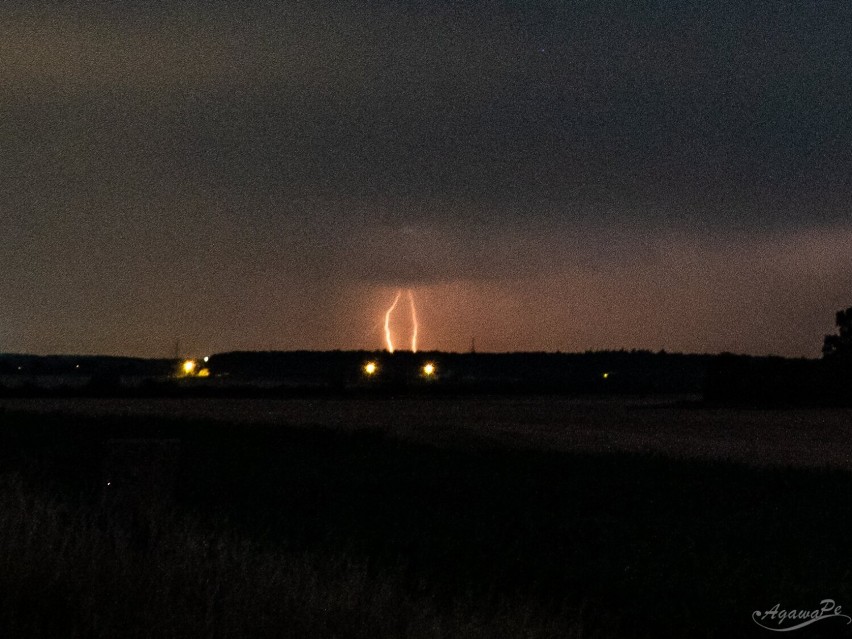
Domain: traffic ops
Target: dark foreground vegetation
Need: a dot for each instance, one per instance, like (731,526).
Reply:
(143,527)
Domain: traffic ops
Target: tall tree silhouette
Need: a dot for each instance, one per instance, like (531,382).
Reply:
(840,346)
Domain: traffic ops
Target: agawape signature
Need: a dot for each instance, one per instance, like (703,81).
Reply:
(779,620)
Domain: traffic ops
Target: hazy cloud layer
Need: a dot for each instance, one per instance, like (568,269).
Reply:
(255,175)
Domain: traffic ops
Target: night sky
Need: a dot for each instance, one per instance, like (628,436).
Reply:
(542,175)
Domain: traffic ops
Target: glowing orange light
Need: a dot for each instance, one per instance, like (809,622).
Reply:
(204,372)
(370,368)
(606,375)
(429,370)
(188,367)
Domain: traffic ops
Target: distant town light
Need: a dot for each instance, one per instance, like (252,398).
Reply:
(370,368)
(204,372)
(206,359)
(606,375)
(188,367)
(429,369)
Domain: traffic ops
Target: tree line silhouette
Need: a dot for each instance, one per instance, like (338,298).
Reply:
(780,381)
(839,347)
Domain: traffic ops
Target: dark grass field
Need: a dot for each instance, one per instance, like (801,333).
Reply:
(351,521)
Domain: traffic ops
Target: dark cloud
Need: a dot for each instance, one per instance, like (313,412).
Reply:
(267,165)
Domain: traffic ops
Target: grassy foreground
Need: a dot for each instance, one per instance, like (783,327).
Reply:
(301,532)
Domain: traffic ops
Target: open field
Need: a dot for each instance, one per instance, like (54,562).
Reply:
(483,517)
(675,426)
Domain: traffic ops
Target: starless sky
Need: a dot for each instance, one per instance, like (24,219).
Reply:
(542,175)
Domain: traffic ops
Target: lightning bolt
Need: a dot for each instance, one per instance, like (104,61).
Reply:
(414,321)
(388,339)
